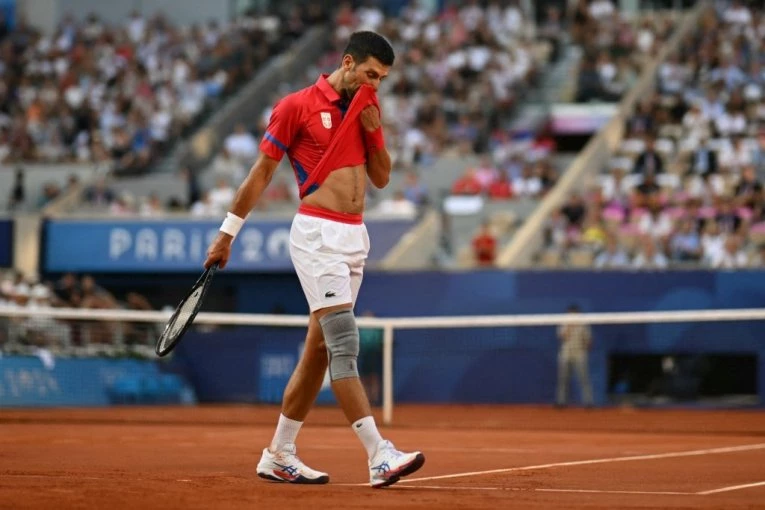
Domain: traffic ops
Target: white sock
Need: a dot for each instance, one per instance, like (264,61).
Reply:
(367,431)
(286,432)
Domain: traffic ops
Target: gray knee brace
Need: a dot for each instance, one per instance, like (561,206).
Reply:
(341,336)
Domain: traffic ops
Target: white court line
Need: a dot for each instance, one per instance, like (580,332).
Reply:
(688,453)
(22,475)
(436,449)
(594,491)
(732,488)
(523,489)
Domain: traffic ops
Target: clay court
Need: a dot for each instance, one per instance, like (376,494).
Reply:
(477,457)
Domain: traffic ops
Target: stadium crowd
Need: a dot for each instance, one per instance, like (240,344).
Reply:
(685,188)
(120,94)
(613,48)
(70,291)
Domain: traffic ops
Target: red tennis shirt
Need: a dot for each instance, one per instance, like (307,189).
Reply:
(303,125)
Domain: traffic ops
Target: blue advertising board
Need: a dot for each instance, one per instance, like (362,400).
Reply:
(179,246)
(6,243)
(27,381)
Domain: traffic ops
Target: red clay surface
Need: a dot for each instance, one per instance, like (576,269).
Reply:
(205,457)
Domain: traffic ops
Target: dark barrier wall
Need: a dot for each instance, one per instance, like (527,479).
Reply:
(496,292)
(30,381)
(441,366)
(6,243)
(493,364)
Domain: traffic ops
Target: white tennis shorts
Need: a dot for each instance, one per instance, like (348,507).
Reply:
(328,250)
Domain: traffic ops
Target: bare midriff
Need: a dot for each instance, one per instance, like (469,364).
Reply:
(342,191)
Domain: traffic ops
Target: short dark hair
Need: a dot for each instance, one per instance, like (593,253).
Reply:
(363,45)
(573,307)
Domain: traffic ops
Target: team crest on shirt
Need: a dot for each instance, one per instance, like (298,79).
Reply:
(326,120)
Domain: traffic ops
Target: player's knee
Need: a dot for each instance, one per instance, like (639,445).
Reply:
(341,335)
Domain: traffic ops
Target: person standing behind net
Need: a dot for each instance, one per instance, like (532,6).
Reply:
(328,247)
(575,342)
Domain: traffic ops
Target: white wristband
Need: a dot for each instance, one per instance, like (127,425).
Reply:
(232,224)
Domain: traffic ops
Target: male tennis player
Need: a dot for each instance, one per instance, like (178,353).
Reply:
(332,134)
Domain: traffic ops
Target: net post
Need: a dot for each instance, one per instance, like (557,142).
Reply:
(388,374)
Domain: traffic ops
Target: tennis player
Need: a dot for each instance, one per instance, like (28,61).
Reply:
(332,134)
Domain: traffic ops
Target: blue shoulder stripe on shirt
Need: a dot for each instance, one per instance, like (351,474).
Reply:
(271,138)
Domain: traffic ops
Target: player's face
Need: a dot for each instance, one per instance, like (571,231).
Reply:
(370,72)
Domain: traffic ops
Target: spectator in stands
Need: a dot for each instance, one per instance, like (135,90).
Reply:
(242,145)
(485,246)
(613,256)
(703,160)
(99,193)
(685,244)
(222,195)
(548,175)
(551,30)
(594,232)
(95,296)
(50,192)
(204,208)
(464,134)
(67,290)
(137,333)
(649,257)
(501,189)
(641,122)
(735,157)
(649,161)
(280,191)
(589,86)
(468,184)
(758,260)
(527,184)
(398,205)
(18,194)
(748,192)
(229,167)
(647,192)
(583,22)
(193,188)
(727,217)
(574,210)
(712,243)
(759,152)
(616,190)
(656,223)
(152,206)
(485,173)
(414,190)
(696,124)
(732,255)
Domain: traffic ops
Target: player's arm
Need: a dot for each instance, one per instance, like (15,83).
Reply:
(282,129)
(246,197)
(378,159)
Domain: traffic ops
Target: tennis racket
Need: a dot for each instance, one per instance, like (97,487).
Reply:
(184,315)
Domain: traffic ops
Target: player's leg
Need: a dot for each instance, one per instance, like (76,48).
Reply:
(305,383)
(583,375)
(280,461)
(341,336)
(563,380)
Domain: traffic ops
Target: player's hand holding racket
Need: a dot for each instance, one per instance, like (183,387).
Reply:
(217,257)
(219,251)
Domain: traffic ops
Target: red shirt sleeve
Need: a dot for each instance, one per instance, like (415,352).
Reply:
(282,128)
